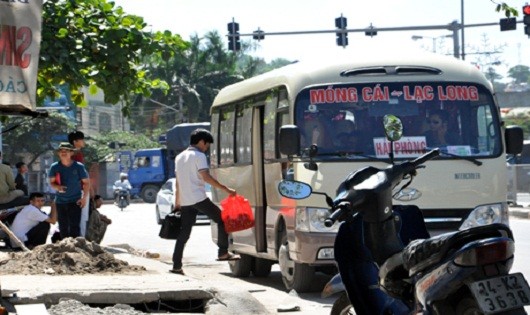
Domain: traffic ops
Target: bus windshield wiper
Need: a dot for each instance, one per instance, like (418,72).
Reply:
(462,157)
(351,154)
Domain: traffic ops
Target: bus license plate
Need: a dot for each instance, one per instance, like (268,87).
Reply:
(501,293)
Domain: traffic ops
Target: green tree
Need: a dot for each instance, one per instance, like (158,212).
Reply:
(33,137)
(92,43)
(195,76)
(504,7)
(519,73)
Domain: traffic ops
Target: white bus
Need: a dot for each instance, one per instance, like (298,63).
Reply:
(338,104)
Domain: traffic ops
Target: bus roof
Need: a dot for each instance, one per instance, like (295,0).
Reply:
(299,75)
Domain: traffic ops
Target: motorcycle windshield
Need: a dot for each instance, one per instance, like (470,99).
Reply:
(346,120)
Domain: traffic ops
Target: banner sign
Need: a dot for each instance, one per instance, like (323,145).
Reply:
(20,35)
(406,147)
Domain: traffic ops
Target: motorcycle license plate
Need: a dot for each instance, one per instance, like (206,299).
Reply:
(501,293)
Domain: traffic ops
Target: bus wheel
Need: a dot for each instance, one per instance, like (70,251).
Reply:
(149,192)
(241,268)
(261,267)
(294,275)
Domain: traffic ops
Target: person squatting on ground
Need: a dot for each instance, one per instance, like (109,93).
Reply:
(191,170)
(8,191)
(77,139)
(122,183)
(70,179)
(31,225)
(97,222)
(20,180)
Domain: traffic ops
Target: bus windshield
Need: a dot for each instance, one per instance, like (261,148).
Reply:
(346,119)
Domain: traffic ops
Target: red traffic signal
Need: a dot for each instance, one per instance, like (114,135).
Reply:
(526,9)
(526,19)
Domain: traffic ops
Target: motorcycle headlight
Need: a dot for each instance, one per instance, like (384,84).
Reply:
(487,214)
(312,220)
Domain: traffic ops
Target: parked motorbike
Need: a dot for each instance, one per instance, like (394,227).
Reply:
(123,198)
(389,265)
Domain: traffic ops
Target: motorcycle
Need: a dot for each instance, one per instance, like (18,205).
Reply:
(123,198)
(389,265)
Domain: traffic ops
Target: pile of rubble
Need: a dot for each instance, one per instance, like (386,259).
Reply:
(67,257)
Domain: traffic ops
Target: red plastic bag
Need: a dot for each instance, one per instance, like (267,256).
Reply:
(237,214)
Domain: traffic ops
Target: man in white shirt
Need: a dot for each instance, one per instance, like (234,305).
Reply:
(31,225)
(192,172)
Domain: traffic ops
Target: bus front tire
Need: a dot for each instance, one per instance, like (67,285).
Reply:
(294,275)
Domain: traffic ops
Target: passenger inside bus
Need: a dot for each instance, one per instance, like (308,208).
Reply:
(440,133)
(315,132)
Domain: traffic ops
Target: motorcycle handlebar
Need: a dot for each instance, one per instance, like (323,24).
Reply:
(336,215)
(424,158)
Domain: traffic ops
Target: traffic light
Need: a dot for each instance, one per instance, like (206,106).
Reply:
(258,34)
(508,24)
(342,36)
(526,19)
(233,37)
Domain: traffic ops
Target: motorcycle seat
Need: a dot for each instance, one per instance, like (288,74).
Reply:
(423,253)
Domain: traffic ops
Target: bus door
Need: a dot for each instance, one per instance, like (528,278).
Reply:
(259,189)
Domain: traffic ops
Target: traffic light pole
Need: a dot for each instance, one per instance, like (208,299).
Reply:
(454,26)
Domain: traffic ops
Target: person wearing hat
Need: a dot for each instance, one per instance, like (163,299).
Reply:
(70,179)
(8,191)
(77,139)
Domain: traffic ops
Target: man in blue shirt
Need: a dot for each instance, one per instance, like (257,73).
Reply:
(70,179)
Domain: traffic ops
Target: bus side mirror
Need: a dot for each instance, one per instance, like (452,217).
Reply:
(289,140)
(513,136)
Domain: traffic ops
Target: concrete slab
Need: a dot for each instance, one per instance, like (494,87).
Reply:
(32,309)
(152,285)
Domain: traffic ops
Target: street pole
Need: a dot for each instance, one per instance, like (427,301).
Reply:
(456,47)
(462,22)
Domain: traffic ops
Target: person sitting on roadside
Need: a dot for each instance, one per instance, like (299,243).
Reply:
(20,180)
(122,183)
(97,222)
(8,191)
(31,224)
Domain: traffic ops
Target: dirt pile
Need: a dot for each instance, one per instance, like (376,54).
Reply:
(67,257)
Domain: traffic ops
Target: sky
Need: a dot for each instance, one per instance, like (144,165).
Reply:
(189,17)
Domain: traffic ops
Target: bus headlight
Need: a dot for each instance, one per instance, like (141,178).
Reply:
(487,214)
(312,220)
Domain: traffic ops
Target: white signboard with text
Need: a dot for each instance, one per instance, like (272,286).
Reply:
(20,36)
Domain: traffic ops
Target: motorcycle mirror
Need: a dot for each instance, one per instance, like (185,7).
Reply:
(294,189)
(393,127)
